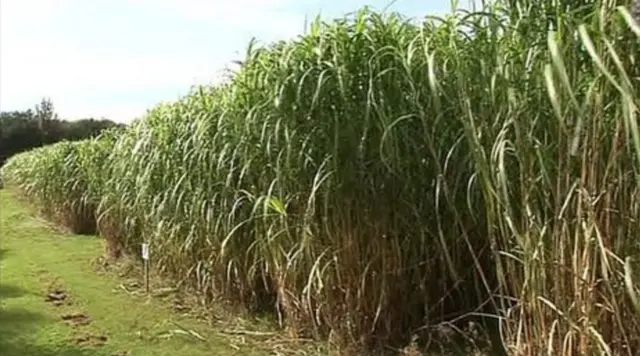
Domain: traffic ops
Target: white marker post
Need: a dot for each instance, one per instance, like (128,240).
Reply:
(145,257)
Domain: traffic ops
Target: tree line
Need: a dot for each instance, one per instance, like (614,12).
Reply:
(23,130)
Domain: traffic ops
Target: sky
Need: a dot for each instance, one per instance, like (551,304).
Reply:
(117,58)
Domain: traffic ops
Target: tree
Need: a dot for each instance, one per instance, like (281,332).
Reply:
(24,130)
(48,122)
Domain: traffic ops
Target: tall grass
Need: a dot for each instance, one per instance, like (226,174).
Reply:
(64,178)
(375,178)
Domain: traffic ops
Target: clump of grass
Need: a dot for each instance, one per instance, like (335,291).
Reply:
(64,178)
(290,184)
(377,177)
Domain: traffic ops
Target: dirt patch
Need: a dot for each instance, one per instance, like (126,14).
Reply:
(89,340)
(76,319)
(57,297)
(56,294)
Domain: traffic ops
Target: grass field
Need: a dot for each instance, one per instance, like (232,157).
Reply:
(47,276)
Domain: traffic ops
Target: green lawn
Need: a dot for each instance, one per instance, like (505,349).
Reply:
(37,261)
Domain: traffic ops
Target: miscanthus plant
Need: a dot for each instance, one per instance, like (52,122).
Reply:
(65,179)
(378,177)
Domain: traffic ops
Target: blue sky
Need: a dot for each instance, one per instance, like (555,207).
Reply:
(116,58)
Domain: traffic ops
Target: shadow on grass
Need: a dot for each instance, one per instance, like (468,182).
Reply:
(17,330)
(9,291)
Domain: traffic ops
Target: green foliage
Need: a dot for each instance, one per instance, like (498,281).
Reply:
(66,178)
(23,130)
(377,175)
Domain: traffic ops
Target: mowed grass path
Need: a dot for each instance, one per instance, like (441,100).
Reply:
(35,259)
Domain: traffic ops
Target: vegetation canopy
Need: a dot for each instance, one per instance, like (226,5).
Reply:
(23,130)
(377,178)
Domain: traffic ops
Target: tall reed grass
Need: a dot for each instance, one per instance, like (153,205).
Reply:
(375,178)
(65,178)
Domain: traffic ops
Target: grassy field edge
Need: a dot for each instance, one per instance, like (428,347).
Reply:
(59,297)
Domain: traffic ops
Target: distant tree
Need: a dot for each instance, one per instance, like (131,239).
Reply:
(45,111)
(24,130)
(46,117)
